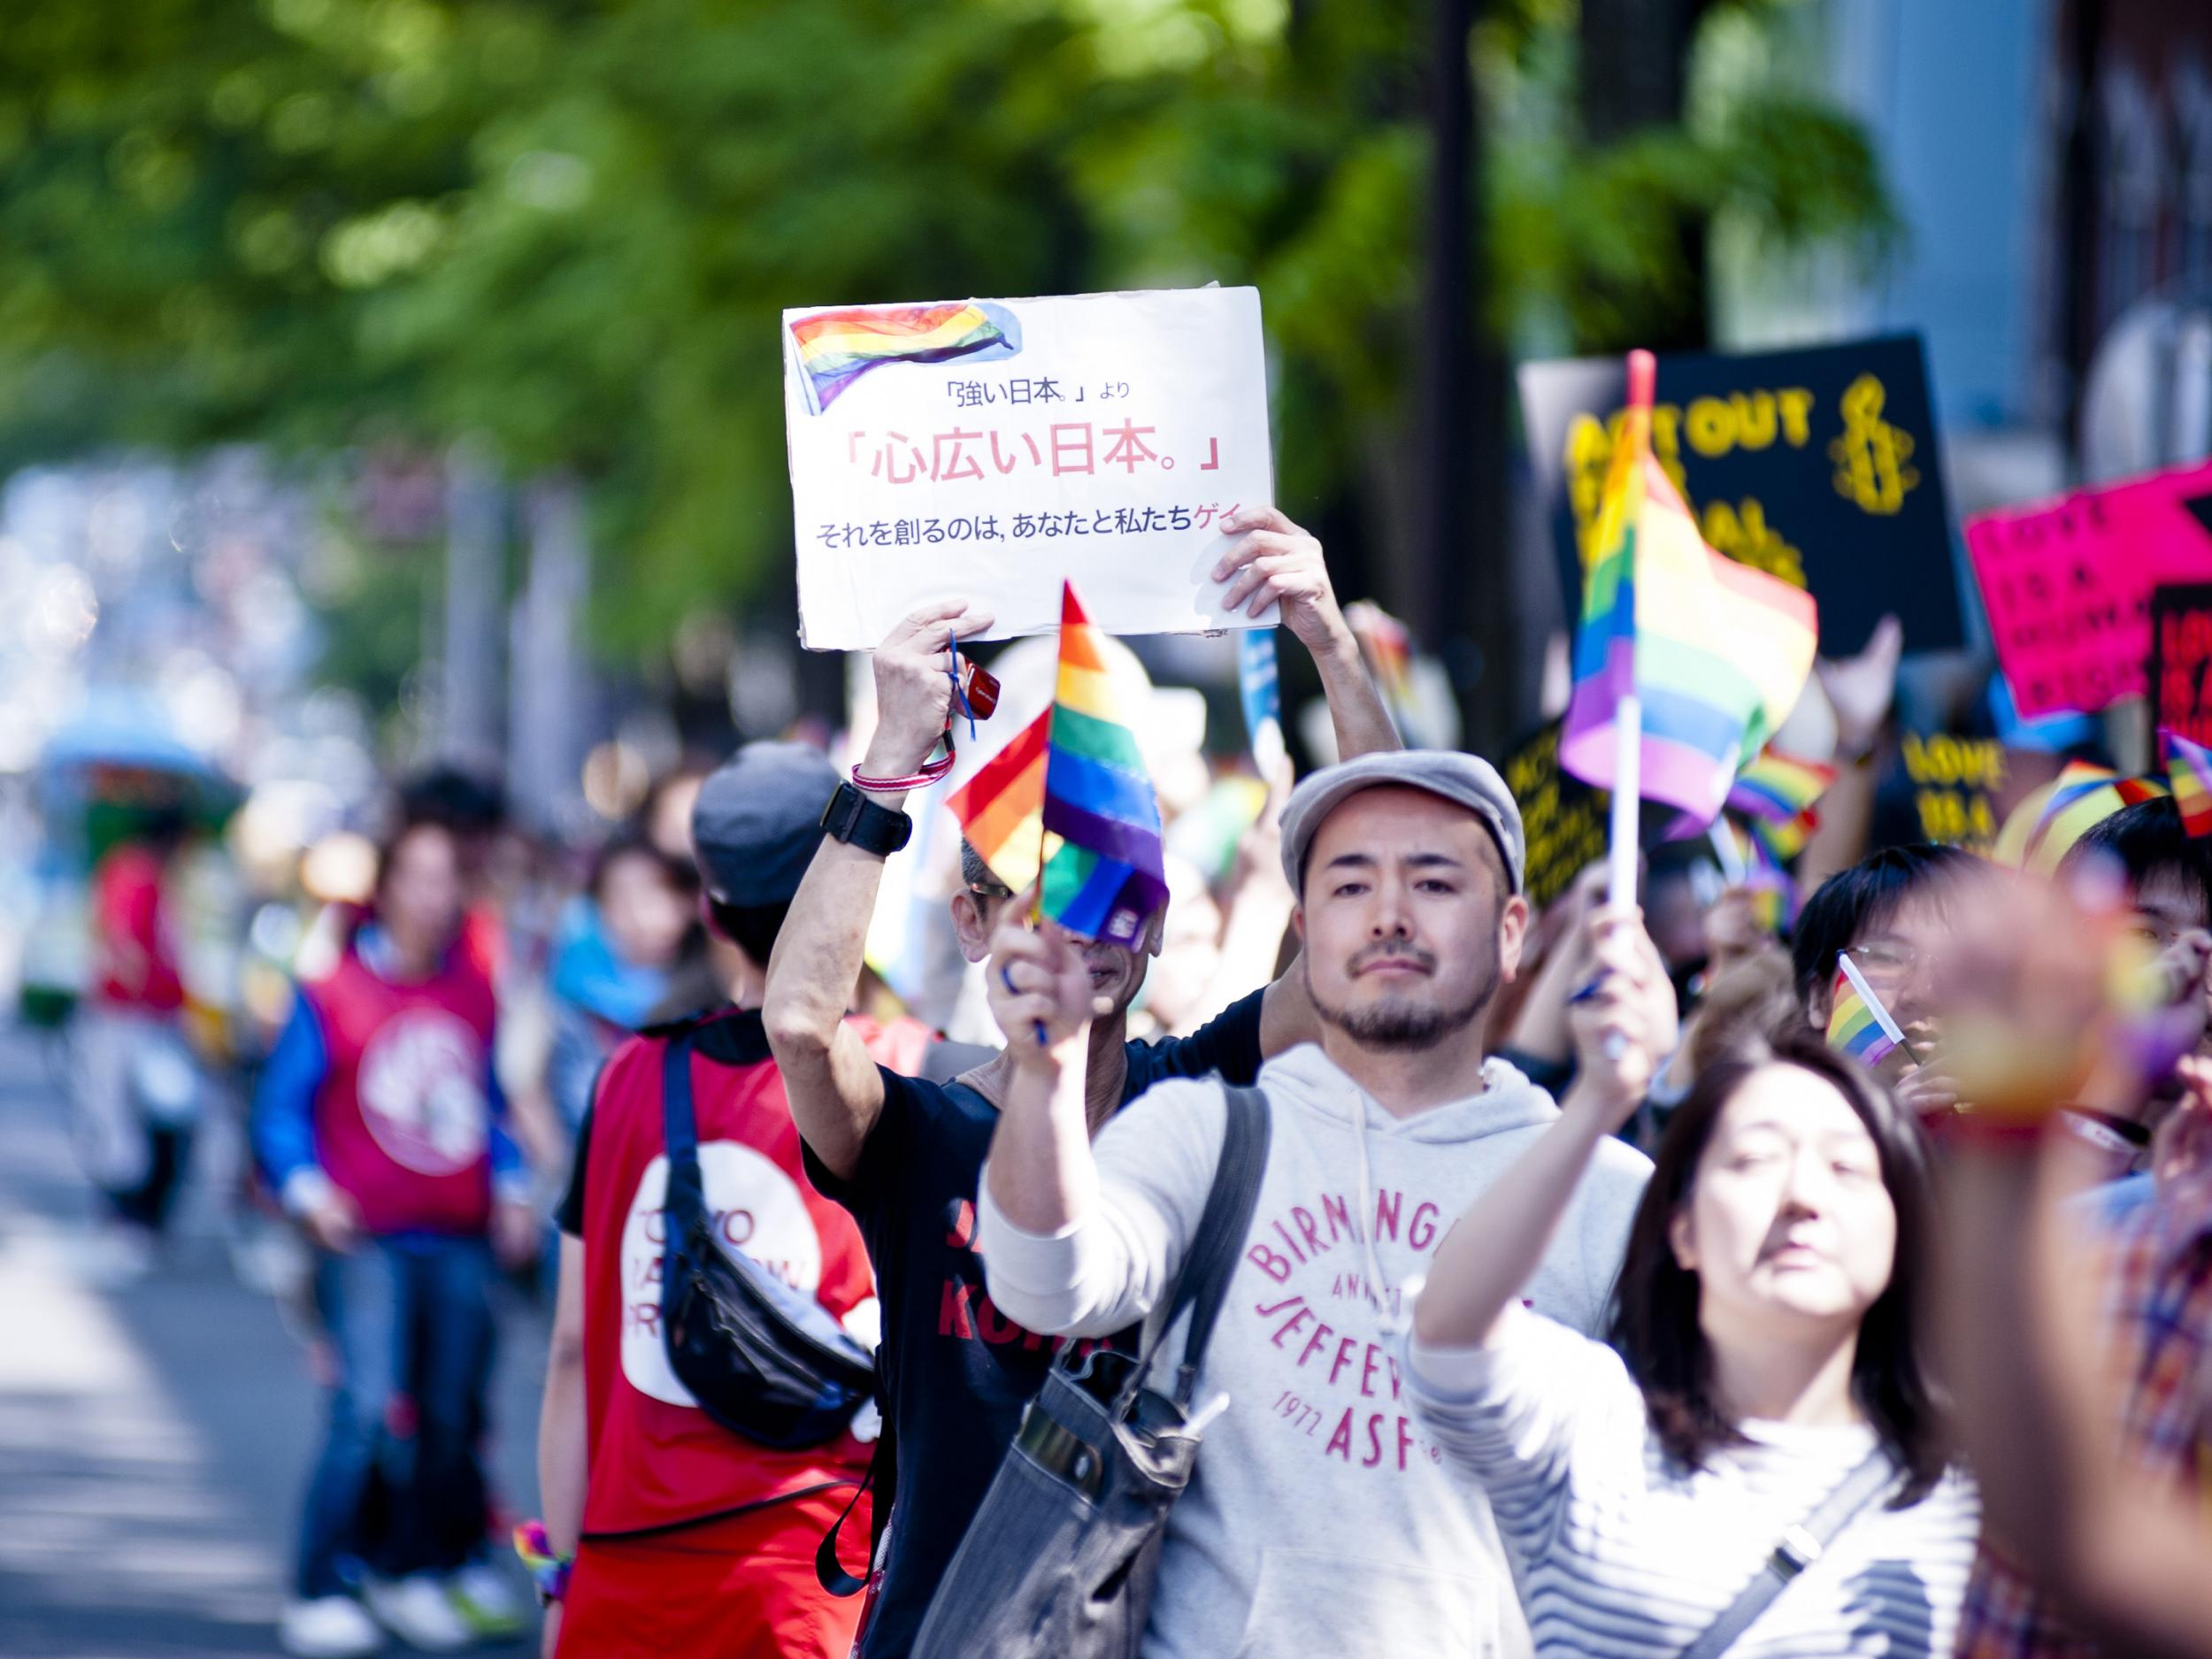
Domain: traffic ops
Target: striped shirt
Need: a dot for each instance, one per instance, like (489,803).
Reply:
(1620,1553)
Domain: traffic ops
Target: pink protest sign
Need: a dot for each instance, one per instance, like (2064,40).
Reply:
(2067,584)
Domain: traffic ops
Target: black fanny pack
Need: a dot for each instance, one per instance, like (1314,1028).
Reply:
(763,1360)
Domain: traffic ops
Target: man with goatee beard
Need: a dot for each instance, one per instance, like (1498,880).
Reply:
(1319,1520)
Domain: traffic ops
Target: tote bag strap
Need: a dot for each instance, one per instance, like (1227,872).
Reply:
(1222,1225)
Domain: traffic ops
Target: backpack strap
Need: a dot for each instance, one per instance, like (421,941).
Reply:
(1222,1225)
(1799,1547)
(685,1204)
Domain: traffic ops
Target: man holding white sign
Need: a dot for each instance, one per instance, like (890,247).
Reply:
(997,446)
(905,1155)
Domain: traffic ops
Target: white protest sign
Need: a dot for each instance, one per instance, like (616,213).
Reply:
(987,448)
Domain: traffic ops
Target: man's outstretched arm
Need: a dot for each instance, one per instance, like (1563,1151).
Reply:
(833,1088)
(1273,561)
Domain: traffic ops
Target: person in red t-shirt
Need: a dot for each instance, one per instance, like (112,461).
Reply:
(685,1537)
(137,1086)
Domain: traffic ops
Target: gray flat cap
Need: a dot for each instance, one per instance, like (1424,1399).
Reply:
(1463,779)
(758,819)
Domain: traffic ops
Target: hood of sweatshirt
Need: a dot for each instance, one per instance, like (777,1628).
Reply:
(1306,1078)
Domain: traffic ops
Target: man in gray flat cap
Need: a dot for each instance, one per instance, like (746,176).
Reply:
(1320,1520)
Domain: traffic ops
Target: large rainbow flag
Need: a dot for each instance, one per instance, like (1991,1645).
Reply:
(837,348)
(1715,652)
(2189,766)
(1106,879)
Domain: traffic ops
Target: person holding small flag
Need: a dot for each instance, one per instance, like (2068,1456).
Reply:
(1320,1520)
(906,1155)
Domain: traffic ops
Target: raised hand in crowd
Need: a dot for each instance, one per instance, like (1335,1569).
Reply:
(831,1082)
(913,677)
(1625,1025)
(1273,561)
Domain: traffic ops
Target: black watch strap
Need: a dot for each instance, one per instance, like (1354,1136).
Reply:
(853,818)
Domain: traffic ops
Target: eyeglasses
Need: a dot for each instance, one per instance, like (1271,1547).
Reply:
(1887,962)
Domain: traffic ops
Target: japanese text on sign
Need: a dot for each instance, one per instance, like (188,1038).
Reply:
(1112,433)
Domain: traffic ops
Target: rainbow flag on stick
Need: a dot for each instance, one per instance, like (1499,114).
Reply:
(2190,767)
(1780,788)
(1106,879)
(2046,825)
(1858,1023)
(1002,809)
(837,348)
(1684,661)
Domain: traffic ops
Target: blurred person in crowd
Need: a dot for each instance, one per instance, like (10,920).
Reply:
(619,941)
(1763,1357)
(2163,889)
(137,1085)
(2141,1241)
(1212,952)
(906,1156)
(1408,870)
(2080,1346)
(472,809)
(1892,911)
(668,1532)
(378,1122)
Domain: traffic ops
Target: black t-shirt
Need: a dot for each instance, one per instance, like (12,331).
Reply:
(956,1372)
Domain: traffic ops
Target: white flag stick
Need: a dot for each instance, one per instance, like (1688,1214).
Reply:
(1725,849)
(1628,754)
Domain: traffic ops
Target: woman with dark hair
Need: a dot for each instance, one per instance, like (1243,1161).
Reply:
(1766,1359)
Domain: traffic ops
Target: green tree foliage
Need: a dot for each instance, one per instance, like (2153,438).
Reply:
(569,225)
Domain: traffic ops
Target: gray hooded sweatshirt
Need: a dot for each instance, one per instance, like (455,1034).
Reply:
(1322,1519)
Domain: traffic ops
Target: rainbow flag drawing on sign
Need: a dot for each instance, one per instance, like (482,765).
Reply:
(1715,652)
(1858,1024)
(837,348)
(1106,879)
(2189,767)
(1002,809)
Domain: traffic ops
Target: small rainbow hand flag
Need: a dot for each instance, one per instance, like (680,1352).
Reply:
(2045,827)
(837,348)
(1106,879)
(2190,766)
(1002,809)
(1858,1024)
(1778,789)
(1388,649)
(1716,653)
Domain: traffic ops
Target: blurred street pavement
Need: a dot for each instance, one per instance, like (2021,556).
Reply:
(155,1439)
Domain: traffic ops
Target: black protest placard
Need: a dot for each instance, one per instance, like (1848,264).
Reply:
(2181,651)
(1818,467)
(1563,818)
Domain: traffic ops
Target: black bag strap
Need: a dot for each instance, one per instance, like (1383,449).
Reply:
(829,1572)
(1799,1547)
(685,1199)
(1219,1240)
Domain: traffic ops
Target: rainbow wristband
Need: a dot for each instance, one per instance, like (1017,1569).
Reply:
(548,1571)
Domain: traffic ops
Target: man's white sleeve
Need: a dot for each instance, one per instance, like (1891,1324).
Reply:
(1118,1260)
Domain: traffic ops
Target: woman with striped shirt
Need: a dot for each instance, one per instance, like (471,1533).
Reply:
(1764,1350)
